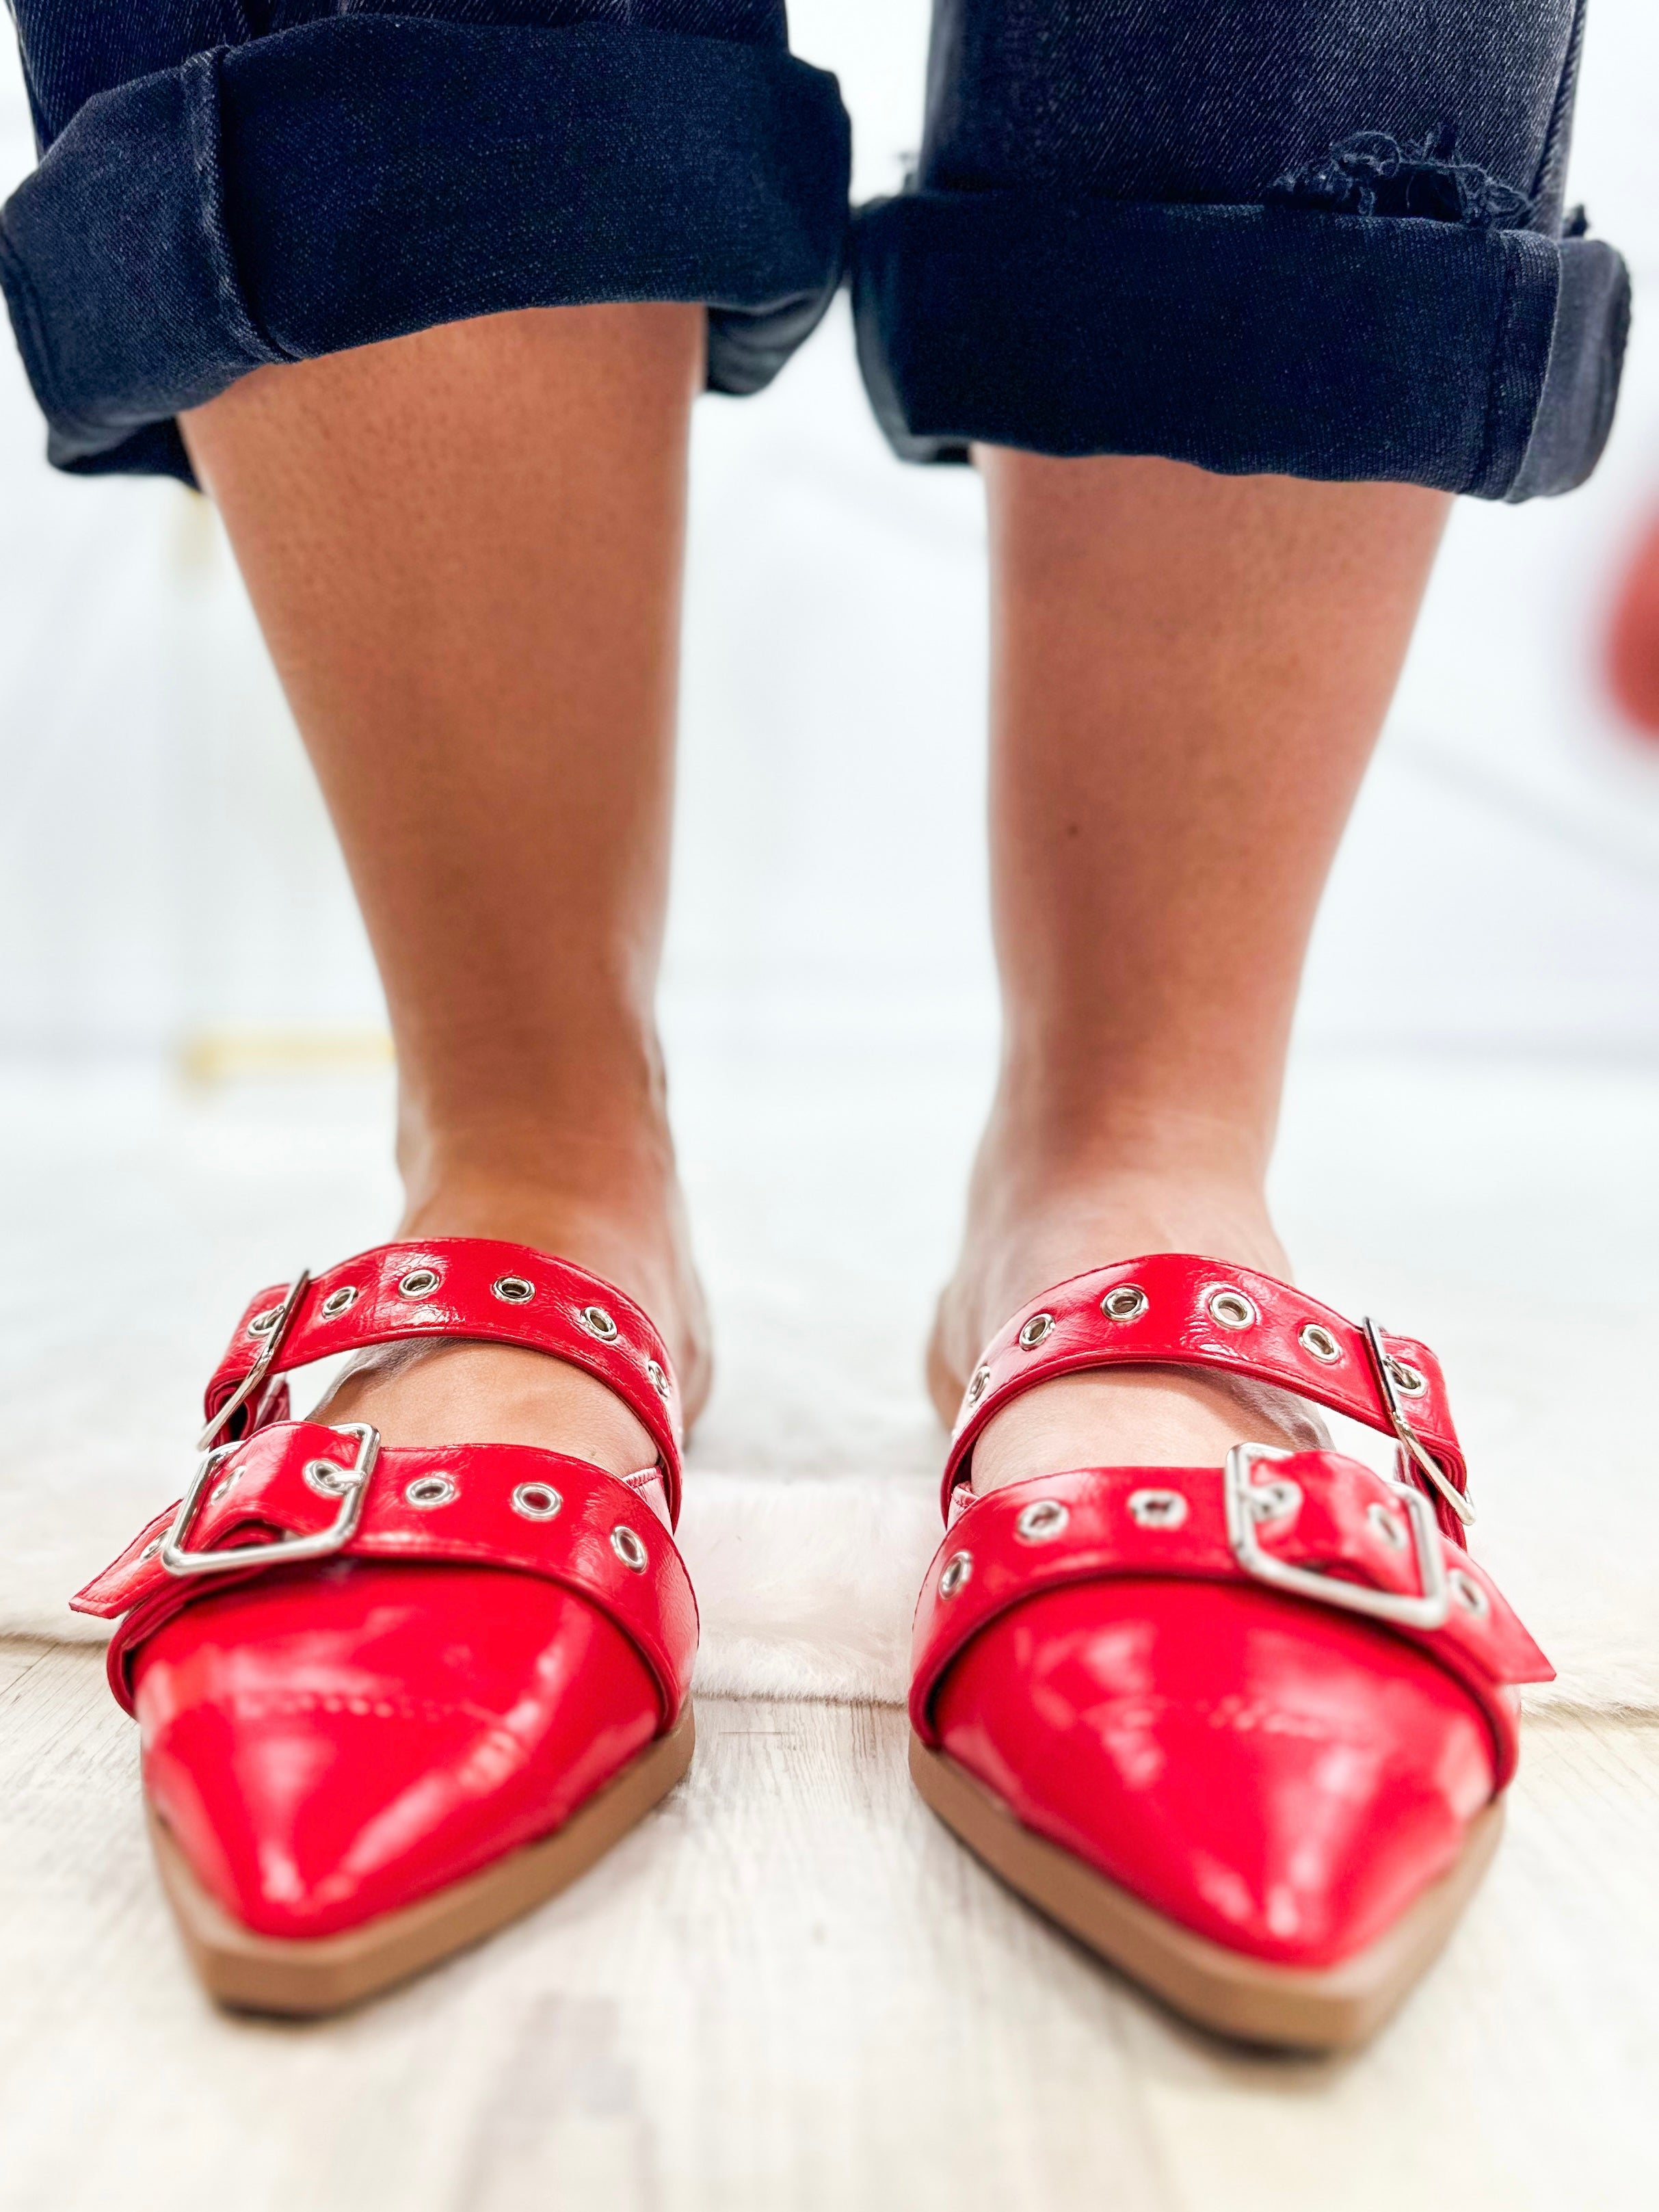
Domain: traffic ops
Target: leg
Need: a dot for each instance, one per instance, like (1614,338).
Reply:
(1254,406)
(456,488)
(1191,667)
(1190,672)
(463,547)
(473,607)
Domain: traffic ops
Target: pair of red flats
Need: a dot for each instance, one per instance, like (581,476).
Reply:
(1245,1730)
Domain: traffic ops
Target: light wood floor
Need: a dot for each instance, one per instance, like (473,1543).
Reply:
(790,1989)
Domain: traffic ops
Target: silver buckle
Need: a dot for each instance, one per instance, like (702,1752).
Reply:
(262,1366)
(1429,1610)
(1410,1444)
(281,1551)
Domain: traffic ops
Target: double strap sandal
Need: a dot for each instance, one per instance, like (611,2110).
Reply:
(391,1697)
(1243,1730)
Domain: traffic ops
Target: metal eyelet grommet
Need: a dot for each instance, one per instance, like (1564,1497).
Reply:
(957,1568)
(326,1479)
(1389,1526)
(429,1490)
(1407,1379)
(1042,1522)
(657,1377)
(263,1324)
(979,1382)
(1157,1509)
(629,1549)
(597,1322)
(1232,1309)
(1040,1327)
(512,1290)
(1126,1302)
(1271,1501)
(418,1283)
(536,1501)
(1469,1594)
(151,1549)
(225,1485)
(337,1302)
(1319,1344)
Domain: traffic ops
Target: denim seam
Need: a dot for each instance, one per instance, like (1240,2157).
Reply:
(1494,358)
(202,107)
(1518,245)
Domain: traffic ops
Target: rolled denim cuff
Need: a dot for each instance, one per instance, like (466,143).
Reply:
(1248,340)
(367,176)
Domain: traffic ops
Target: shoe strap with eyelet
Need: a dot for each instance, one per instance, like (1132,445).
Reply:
(475,1287)
(1178,1309)
(1327,1514)
(497,1505)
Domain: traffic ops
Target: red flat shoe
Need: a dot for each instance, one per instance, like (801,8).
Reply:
(391,1698)
(1244,1731)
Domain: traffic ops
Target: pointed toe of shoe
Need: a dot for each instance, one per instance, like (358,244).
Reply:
(332,1746)
(1281,1780)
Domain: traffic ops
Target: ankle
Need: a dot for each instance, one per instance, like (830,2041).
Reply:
(1036,1224)
(605,1197)
(586,1127)
(1037,1217)
(1063,1100)
(608,1203)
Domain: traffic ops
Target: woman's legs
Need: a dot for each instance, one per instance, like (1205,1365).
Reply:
(1189,674)
(1102,253)
(464,550)
(473,609)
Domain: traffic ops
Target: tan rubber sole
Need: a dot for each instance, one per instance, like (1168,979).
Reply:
(267,1973)
(1329,2008)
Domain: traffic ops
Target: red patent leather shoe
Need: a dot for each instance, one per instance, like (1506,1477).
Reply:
(391,1698)
(1243,1730)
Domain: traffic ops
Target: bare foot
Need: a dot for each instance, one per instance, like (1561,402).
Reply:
(1024,1235)
(448,1391)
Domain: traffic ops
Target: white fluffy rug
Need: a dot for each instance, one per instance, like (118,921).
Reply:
(1506,1214)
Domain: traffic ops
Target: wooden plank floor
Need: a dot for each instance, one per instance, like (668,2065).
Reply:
(790,1989)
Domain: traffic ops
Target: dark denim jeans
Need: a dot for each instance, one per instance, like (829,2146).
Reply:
(1319,238)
